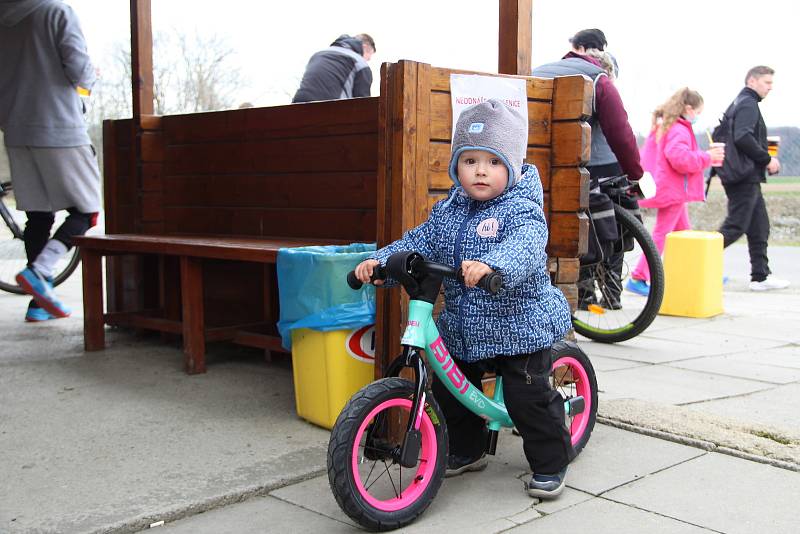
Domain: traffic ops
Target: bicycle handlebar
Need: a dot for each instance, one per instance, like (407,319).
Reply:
(619,185)
(491,283)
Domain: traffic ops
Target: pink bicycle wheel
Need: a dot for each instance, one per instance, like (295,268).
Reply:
(368,481)
(572,375)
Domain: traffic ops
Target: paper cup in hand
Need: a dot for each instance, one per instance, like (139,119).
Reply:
(773,143)
(647,185)
(717,162)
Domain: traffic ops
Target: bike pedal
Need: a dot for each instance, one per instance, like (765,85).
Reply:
(575,405)
(595,309)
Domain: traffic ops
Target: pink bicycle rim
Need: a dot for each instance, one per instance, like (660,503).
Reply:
(582,387)
(425,467)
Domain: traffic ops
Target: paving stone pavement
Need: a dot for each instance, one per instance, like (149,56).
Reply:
(118,440)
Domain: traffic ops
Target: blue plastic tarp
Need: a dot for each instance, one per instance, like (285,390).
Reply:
(313,290)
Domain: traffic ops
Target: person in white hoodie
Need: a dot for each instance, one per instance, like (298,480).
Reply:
(44,67)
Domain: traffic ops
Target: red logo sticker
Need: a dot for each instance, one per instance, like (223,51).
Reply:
(360,344)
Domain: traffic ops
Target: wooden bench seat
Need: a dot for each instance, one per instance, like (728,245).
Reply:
(191,252)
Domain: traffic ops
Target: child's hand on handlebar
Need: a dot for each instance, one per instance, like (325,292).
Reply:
(364,272)
(473,271)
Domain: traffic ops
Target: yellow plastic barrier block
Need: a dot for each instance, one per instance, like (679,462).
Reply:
(328,368)
(693,272)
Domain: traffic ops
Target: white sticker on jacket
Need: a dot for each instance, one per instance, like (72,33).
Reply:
(488,227)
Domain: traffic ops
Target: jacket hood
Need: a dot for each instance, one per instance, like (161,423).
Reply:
(13,11)
(347,41)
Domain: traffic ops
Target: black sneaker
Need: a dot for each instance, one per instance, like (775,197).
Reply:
(547,486)
(457,465)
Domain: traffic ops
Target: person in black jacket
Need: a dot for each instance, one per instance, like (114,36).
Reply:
(339,71)
(746,162)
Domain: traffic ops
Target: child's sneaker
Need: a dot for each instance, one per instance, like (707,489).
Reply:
(770,283)
(41,289)
(547,486)
(457,465)
(35,314)
(639,287)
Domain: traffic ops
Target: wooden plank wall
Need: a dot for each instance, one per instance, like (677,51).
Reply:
(305,170)
(298,171)
(416,118)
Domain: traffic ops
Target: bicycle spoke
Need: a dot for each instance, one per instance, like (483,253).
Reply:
(385,471)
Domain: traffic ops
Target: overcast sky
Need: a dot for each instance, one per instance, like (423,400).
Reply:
(658,52)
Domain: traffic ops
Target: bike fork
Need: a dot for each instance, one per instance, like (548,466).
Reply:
(412,442)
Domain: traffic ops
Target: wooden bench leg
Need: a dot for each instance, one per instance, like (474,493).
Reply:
(93,324)
(194,342)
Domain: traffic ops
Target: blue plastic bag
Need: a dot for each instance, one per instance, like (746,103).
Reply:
(313,290)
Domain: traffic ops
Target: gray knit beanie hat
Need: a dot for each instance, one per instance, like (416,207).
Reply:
(496,128)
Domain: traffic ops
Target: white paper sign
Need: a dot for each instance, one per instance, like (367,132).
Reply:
(469,89)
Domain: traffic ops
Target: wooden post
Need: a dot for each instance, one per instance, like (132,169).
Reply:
(141,58)
(193,320)
(93,324)
(141,89)
(514,50)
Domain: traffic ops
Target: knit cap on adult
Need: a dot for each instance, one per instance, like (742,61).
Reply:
(496,128)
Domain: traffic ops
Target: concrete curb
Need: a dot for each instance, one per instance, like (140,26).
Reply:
(697,443)
(143,522)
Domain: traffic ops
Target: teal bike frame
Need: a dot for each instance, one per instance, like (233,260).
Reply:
(421,333)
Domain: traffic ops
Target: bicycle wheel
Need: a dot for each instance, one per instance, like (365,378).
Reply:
(12,249)
(572,375)
(615,315)
(365,476)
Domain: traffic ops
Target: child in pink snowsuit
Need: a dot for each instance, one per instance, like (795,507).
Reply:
(673,158)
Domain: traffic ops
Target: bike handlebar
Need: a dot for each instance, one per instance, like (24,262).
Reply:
(491,283)
(619,185)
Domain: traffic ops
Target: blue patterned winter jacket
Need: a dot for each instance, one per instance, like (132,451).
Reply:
(509,234)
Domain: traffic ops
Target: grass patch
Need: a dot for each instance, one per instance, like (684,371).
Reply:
(772,437)
(783,179)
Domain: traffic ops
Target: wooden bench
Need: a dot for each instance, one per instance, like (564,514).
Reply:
(360,170)
(191,252)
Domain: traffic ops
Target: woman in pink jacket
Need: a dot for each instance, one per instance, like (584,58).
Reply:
(676,163)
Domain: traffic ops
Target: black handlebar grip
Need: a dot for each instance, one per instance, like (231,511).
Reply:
(378,273)
(352,281)
(492,283)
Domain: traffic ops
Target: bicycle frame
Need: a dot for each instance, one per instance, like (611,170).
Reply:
(16,231)
(421,332)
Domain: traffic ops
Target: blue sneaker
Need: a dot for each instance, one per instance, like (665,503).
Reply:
(547,486)
(639,287)
(41,289)
(35,314)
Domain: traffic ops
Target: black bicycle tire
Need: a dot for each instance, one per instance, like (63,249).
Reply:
(58,279)
(70,268)
(340,447)
(567,348)
(648,314)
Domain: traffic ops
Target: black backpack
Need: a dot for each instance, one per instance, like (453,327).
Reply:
(734,164)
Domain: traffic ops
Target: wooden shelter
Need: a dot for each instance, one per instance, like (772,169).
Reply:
(363,170)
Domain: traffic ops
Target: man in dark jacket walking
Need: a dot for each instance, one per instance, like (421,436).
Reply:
(339,71)
(746,162)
